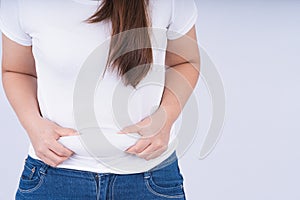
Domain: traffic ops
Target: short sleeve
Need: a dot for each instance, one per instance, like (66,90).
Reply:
(184,16)
(10,24)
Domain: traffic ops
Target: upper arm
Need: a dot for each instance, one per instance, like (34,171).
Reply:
(17,58)
(16,42)
(183,50)
(181,34)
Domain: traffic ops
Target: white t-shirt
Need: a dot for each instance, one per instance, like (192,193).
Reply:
(61,43)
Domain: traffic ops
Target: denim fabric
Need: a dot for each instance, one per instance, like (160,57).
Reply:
(40,181)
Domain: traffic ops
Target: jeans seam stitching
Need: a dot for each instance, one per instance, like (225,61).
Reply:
(160,187)
(158,194)
(112,187)
(34,188)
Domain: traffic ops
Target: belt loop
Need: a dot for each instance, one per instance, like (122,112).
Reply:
(44,168)
(147,174)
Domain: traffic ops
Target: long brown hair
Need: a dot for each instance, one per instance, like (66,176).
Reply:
(125,15)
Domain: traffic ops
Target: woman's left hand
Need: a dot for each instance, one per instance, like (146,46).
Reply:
(155,132)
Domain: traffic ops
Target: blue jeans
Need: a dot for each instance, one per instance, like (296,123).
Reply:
(40,181)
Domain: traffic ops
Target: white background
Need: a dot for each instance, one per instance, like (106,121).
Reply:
(255,46)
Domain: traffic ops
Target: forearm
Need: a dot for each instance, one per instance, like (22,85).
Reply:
(179,85)
(21,92)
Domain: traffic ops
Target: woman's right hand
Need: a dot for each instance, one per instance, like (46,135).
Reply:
(19,79)
(44,138)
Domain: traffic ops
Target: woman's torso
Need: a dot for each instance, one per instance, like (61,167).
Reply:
(62,42)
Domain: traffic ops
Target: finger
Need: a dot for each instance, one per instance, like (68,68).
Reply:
(66,131)
(152,151)
(48,161)
(138,126)
(139,146)
(55,159)
(135,128)
(155,154)
(147,151)
(60,150)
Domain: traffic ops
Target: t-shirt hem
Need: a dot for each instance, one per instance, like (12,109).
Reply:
(97,166)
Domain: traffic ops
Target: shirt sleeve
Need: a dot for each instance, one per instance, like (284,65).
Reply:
(10,24)
(184,16)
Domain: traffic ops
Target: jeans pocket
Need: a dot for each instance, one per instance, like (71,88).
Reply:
(32,176)
(166,182)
